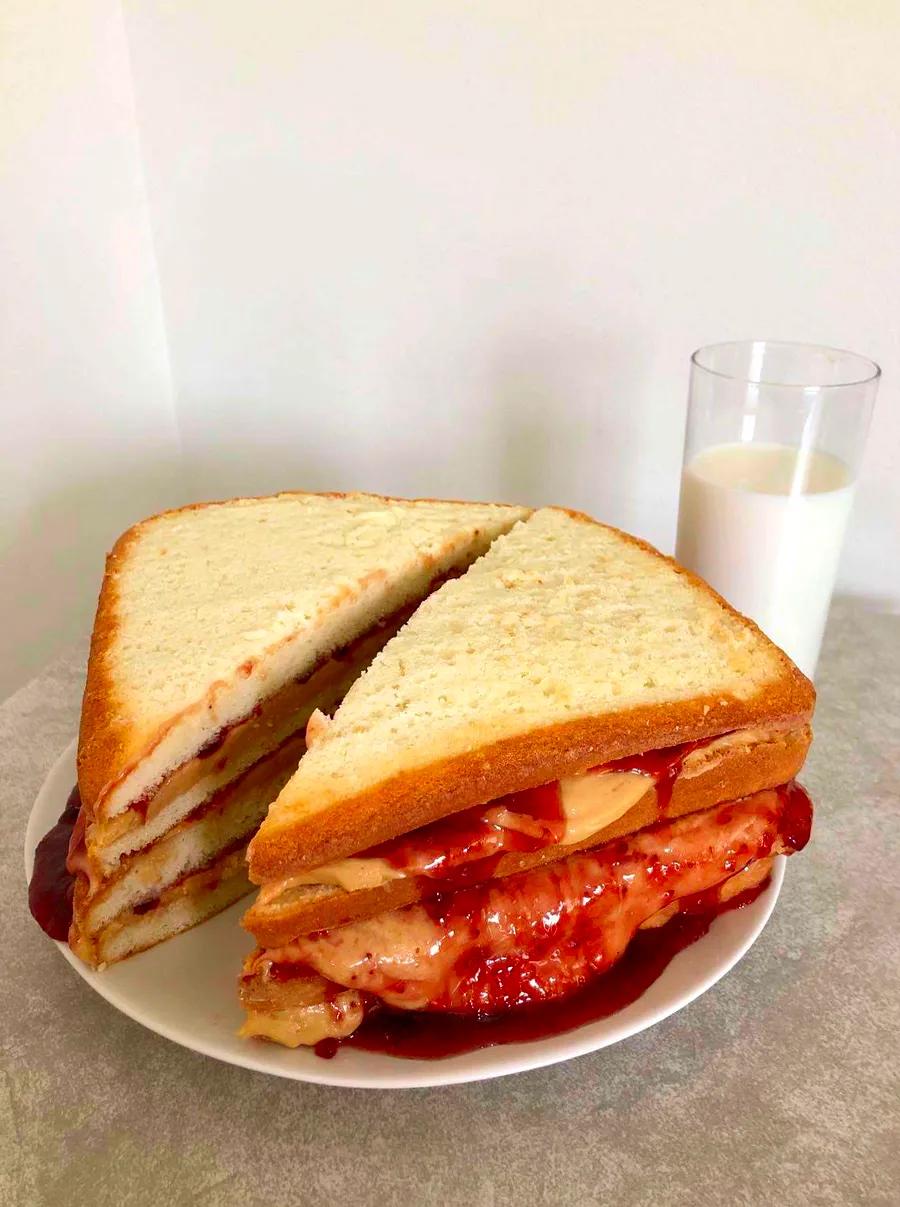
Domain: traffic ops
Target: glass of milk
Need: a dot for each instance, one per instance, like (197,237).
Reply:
(775,435)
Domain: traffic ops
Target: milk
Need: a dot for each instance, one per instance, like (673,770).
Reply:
(764,525)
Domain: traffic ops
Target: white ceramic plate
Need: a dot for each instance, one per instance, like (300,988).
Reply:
(186,990)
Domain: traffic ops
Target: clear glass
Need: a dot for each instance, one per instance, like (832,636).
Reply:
(774,440)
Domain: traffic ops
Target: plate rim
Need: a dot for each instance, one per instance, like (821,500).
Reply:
(410,1074)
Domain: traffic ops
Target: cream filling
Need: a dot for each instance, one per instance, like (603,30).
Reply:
(306,1025)
(594,801)
(351,874)
(589,803)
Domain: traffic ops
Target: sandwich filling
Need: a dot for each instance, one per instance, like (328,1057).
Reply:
(184,843)
(517,942)
(556,814)
(276,719)
(562,813)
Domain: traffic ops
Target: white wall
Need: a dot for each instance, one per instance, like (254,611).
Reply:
(438,247)
(420,246)
(88,438)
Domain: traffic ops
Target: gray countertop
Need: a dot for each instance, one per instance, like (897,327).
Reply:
(780,1085)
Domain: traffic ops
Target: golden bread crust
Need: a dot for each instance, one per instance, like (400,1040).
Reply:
(110,745)
(738,771)
(413,798)
(106,740)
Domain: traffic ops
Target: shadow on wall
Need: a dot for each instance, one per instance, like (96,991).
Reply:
(562,428)
(216,466)
(53,557)
(552,427)
(51,563)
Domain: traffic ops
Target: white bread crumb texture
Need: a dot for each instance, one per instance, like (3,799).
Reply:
(202,591)
(563,618)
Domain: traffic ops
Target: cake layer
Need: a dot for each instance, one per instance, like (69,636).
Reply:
(234,813)
(241,745)
(197,896)
(693,778)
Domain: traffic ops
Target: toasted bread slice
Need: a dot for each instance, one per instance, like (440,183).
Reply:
(232,814)
(207,610)
(568,645)
(737,765)
(194,898)
(303,1010)
(277,720)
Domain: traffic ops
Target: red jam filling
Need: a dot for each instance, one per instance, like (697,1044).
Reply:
(534,953)
(419,1035)
(456,848)
(52,885)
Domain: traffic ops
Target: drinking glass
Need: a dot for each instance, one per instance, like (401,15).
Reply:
(774,440)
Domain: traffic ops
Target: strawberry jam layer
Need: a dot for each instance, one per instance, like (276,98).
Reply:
(662,766)
(52,885)
(542,935)
(459,847)
(419,1035)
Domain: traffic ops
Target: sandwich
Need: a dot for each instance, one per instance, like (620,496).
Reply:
(220,630)
(570,745)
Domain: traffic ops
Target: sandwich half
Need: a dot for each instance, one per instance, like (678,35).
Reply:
(220,629)
(575,740)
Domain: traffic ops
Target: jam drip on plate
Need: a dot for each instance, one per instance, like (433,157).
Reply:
(52,884)
(546,935)
(418,1035)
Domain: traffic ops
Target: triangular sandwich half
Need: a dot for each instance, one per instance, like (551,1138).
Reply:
(220,629)
(573,690)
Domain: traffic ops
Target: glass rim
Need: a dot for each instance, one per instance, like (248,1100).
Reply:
(872,368)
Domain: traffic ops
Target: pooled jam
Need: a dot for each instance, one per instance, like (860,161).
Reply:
(662,766)
(52,885)
(795,826)
(466,846)
(540,939)
(418,1035)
